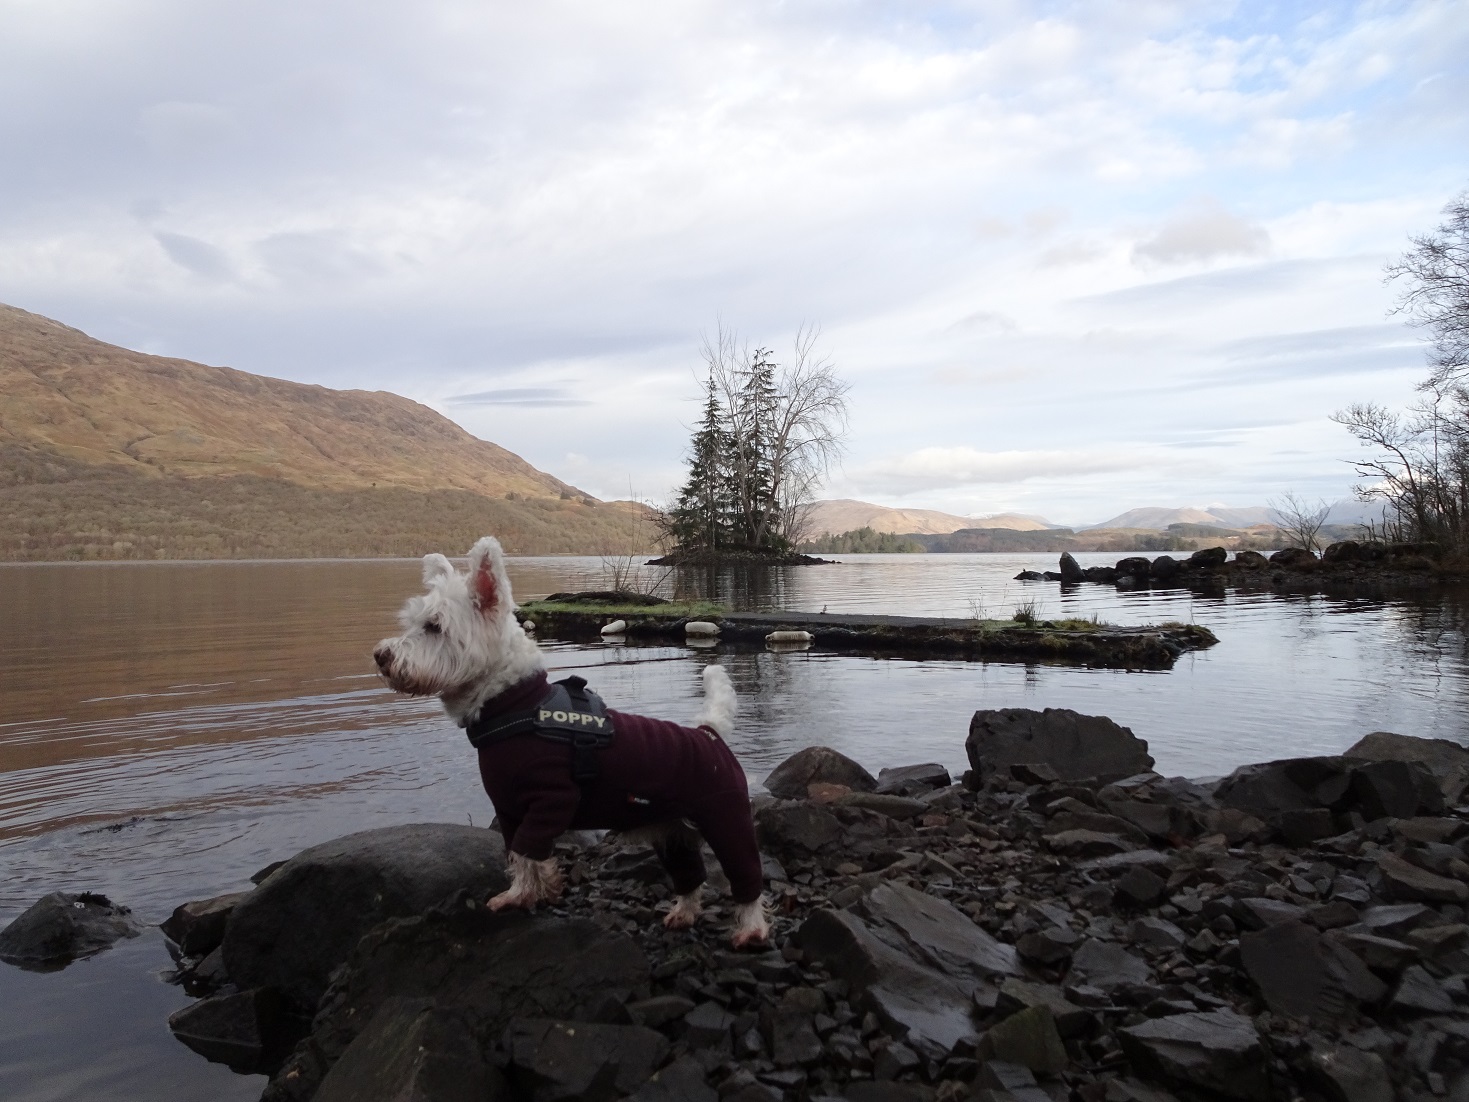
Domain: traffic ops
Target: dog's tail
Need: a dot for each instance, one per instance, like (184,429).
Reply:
(720,705)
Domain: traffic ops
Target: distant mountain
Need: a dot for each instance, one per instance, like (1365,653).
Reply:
(110,453)
(844,515)
(1158,518)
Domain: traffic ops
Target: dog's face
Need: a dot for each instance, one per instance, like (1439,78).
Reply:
(459,633)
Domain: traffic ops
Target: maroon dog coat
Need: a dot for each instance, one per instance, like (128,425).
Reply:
(652,772)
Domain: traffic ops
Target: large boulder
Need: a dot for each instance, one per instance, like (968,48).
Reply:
(1076,746)
(1294,558)
(303,920)
(1136,567)
(1447,761)
(1208,558)
(817,765)
(1277,790)
(1071,570)
(488,969)
(1219,1051)
(250,1031)
(198,927)
(1304,975)
(59,928)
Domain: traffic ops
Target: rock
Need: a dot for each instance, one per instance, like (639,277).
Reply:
(1139,887)
(787,1029)
(1300,973)
(1250,560)
(413,1052)
(1088,843)
(1070,569)
(1135,567)
(1397,919)
(1293,558)
(659,1010)
(490,968)
(796,829)
(926,1008)
(300,924)
(909,780)
(680,1081)
(1028,1038)
(1257,912)
(894,807)
(1381,954)
(1375,790)
(198,928)
(1209,558)
(59,928)
(1346,1074)
(1034,773)
(1029,576)
(1447,761)
(1396,790)
(558,1061)
(1048,947)
(1157,933)
(789,779)
(248,1030)
(1219,1051)
(1077,747)
(1107,966)
(937,933)
(1103,575)
(1402,880)
(1165,568)
(708,1026)
(1020,994)
(1419,993)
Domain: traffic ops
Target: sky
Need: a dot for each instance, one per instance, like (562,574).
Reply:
(1072,258)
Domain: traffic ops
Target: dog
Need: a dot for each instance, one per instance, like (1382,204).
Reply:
(653,780)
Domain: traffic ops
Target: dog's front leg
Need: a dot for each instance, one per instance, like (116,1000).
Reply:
(531,882)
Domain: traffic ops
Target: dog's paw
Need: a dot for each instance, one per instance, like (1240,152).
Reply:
(511,898)
(752,924)
(685,912)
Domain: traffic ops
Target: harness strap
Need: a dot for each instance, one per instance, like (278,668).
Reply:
(569,713)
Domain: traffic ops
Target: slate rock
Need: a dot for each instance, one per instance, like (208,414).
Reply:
(894,807)
(1419,993)
(561,1061)
(708,1026)
(251,1031)
(489,967)
(789,779)
(1395,790)
(1402,880)
(1383,955)
(1076,746)
(1139,887)
(304,919)
(787,1027)
(926,1008)
(1302,974)
(1157,933)
(680,1081)
(1291,784)
(198,928)
(1218,1051)
(936,933)
(1029,1038)
(1398,919)
(1049,947)
(1107,966)
(1346,1074)
(1018,994)
(61,927)
(907,780)
(796,829)
(1447,761)
(413,1052)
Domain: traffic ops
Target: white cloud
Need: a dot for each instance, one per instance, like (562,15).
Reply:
(1202,233)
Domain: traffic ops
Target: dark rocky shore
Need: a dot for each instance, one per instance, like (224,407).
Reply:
(1349,565)
(1062,923)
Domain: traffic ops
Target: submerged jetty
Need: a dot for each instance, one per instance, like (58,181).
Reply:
(1059,923)
(1080,642)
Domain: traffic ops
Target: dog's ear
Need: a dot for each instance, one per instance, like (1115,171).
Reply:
(488,583)
(435,566)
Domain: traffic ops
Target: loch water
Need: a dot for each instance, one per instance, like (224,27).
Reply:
(166,729)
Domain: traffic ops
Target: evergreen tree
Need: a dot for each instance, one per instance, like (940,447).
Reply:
(754,419)
(702,517)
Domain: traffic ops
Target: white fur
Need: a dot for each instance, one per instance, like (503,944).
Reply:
(461,643)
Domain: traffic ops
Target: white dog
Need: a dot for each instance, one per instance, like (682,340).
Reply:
(552,758)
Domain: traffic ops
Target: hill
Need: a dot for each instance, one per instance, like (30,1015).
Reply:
(110,453)
(833,517)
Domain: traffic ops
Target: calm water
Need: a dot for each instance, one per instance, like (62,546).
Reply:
(167,729)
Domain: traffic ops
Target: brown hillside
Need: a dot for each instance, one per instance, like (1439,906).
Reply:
(63,393)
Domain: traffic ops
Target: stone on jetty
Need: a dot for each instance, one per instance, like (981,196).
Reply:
(303,920)
(817,765)
(60,928)
(1076,746)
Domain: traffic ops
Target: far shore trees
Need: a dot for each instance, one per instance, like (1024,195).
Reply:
(1419,461)
(769,434)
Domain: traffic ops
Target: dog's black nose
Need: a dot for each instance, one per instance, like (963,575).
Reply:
(383,657)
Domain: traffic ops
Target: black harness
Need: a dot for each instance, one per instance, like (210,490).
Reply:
(569,712)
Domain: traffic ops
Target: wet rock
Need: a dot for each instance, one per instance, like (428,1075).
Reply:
(789,779)
(1077,747)
(796,829)
(1020,994)
(413,1051)
(1346,1074)
(1136,567)
(198,928)
(1166,568)
(489,967)
(1107,966)
(59,928)
(248,1030)
(559,1061)
(1402,880)
(909,780)
(1028,1038)
(1300,973)
(303,920)
(1219,1051)
(1447,761)
(1070,569)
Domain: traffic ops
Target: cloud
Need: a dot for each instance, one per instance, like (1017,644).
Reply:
(518,396)
(200,257)
(945,468)
(1202,233)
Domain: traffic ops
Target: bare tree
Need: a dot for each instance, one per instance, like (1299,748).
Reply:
(1435,272)
(1301,521)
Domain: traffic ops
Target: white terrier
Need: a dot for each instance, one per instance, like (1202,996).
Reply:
(552,758)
